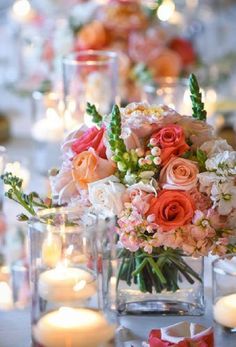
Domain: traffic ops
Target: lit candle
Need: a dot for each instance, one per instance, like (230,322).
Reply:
(22,11)
(69,327)
(6,301)
(225,311)
(65,284)
(50,128)
(51,250)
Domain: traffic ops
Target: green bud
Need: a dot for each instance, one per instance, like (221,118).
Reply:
(121,166)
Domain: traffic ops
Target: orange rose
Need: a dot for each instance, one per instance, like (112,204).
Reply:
(172,209)
(92,36)
(87,167)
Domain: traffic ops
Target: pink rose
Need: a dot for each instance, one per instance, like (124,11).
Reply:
(171,140)
(91,138)
(179,174)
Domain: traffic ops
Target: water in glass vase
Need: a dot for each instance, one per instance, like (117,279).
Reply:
(164,284)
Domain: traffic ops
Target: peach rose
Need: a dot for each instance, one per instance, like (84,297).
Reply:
(92,36)
(88,167)
(172,209)
(179,174)
(171,140)
(166,64)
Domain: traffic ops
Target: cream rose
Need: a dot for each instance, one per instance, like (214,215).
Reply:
(107,194)
(179,174)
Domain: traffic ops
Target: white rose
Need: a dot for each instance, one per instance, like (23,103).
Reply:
(215,146)
(107,194)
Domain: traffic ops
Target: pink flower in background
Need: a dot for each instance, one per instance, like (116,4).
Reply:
(201,200)
(151,41)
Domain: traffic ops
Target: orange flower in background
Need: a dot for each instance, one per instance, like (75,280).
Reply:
(166,64)
(172,209)
(185,50)
(88,167)
(92,36)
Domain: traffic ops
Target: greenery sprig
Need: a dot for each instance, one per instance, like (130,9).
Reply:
(28,201)
(196,98)
(96,116)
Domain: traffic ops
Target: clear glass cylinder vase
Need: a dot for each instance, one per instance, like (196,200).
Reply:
(153,284)
(89,76)
(63,275)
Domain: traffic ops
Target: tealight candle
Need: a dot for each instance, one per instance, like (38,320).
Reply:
(49,128)
(74,328)
(225,311)
(65,284)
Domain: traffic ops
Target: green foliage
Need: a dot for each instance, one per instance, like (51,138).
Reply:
(201,158)
(96,116)
(28,201)
(196,97)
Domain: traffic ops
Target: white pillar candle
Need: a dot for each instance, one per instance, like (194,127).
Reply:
(69,327)
(65,284)
(225,311)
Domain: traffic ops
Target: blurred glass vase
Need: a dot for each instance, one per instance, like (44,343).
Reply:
(89,76)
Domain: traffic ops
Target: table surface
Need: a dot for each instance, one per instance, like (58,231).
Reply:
(15,328)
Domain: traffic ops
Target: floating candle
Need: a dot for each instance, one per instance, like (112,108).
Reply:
(65,284)
(69,327)
(225,311)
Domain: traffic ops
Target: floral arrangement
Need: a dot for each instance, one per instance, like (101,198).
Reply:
(169,180)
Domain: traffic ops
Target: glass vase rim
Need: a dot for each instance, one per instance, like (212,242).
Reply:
(70,59)
(165,82)
(38,218)
(222,271)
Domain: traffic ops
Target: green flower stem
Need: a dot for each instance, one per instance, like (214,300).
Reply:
(140,277)
(157,270)
(196,98)
(140,267)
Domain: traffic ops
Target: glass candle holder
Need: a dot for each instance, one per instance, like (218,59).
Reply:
(169,91)
(89,76)
(65,307)
(20,284)
(224,291)
(47,129)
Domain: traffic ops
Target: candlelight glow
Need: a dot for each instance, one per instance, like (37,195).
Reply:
(166,10)
(21,8)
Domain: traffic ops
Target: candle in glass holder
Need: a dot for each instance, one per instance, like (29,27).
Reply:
(65,284)
(49,128)
(225,311)
(73,327)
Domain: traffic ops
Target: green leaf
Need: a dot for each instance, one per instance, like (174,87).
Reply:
(196,97)
(201,158)
(96,116)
